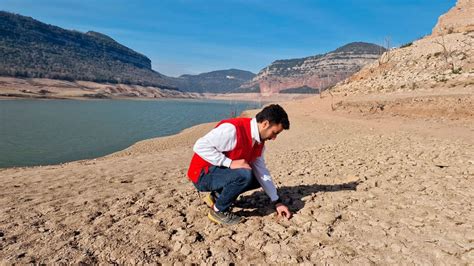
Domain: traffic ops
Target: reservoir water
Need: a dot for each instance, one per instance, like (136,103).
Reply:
(37,132)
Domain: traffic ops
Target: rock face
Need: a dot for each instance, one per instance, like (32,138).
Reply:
(459,19)
(319,71)
(442,60)
(30,48)
(221,81)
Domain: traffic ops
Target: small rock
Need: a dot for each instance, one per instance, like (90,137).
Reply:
(256,240)
(241,237)
(221,253)
(272,248)
(417,224)
(179,236)
(277,228)
(419,219)
(177,246)
(370,204)
(302,219)
(186,250)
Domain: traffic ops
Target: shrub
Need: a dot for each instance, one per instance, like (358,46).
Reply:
(406,45)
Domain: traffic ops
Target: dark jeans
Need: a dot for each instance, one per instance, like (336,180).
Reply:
(229,183)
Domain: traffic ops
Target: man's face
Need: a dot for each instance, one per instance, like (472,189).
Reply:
(268,131)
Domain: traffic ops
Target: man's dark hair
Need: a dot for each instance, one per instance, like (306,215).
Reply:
(274,114)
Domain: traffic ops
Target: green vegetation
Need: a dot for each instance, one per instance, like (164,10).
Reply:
(254,89)
(303,90)
(360,48)
(220,81)
(406,45)
(457,70)
(29,48)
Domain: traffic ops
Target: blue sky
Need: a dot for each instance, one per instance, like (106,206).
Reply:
(195,36)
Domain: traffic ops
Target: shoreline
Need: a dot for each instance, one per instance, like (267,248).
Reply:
(42,89)
(244,97)
(242,114)
(364,104)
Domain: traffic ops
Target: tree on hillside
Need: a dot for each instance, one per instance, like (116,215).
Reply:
(447,54)
(385,56)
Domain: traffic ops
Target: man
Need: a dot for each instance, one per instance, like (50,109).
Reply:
(228,161)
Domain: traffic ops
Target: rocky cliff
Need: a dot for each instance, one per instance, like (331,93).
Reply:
(444,59)
(457,20)
(30,48)
(319,71)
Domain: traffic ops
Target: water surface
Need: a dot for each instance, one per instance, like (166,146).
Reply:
(40,132)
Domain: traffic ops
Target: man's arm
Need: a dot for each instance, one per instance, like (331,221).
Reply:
(263,176)
(220,139)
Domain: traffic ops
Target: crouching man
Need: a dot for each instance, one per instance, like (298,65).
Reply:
(228,161)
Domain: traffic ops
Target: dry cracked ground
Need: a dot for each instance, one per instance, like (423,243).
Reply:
(364,190)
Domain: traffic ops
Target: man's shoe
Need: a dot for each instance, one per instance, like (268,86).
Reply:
(210,199)
(226,218)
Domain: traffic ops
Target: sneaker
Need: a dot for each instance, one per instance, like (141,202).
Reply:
(210,199)
(227,217)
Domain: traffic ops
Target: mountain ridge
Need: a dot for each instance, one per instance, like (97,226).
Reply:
(33,49)
(317,71)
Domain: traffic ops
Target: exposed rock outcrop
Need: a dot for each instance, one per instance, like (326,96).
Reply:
(457,20)
(319,71)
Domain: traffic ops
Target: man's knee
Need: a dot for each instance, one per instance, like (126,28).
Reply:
(245,176)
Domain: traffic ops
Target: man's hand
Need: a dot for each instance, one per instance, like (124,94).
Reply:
(283,211)
(235,164)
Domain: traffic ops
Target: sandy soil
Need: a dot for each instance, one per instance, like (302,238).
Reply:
(366,187)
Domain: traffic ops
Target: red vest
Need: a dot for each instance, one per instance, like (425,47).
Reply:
(243,149)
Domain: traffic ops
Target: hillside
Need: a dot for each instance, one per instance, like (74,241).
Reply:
(221,81)
(442,60)
(318,71)
(30,48)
